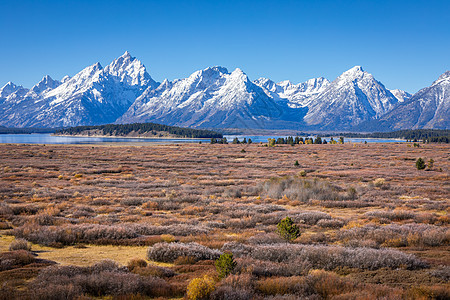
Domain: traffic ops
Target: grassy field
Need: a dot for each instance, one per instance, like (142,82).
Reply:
(371,224)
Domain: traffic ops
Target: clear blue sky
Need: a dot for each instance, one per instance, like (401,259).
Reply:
(405,44)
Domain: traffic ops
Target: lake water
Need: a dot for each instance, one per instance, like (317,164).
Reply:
(49,139)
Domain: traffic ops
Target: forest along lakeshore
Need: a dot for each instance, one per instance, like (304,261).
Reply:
(225,221)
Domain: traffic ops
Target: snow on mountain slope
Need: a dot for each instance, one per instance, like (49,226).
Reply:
(123,92)
(402,96)
(428,108)
(298,95)
(354,97)
(9,89)
(212,97)
(46,84)
(93,96)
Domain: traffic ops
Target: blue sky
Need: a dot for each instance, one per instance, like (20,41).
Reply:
(405,44)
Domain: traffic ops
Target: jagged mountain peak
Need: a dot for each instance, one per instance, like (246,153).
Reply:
(10,86)
(428,108)
(357,72)
(354,97)
(46,83)
(8,89)
(285,83)
(130,70)
(89,71)
(219,69)
(355,69)
(238,74)
(444,77)
(210,72)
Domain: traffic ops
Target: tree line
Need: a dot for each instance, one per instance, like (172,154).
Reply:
(427,135)
(142,128)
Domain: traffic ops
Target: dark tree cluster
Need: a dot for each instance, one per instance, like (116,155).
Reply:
(124,129)
(219,141)
(299,140)
(244,141)
(7,130)
(428,135)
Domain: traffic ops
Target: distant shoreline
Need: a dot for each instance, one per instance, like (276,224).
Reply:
(128,137)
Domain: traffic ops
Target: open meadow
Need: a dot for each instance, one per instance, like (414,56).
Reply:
(150,221)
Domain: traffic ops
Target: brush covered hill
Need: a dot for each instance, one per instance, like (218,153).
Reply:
(144,130)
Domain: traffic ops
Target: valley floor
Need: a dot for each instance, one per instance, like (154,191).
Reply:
(372,225)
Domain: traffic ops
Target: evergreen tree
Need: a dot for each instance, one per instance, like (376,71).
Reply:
(288,230)
(420,164)
(225,264)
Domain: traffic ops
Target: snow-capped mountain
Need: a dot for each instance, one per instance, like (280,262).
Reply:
(352,98)
(212,97)
(95,95)
(298,95)
(123,92)
(428,108)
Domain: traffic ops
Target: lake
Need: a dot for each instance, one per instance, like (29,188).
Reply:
(47,138)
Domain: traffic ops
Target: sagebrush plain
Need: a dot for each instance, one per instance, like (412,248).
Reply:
(143,221)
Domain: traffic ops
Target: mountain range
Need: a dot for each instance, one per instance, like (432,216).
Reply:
(124,92)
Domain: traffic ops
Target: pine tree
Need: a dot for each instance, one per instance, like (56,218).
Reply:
(420,164)
(225,264)
(288,230)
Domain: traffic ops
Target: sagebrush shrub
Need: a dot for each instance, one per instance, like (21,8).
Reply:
(101,279)
(69,234)
(20,244)
(410,234)
(15,259)
(327,257)
(136,263)
(300,189)
(333,223)
(169,252)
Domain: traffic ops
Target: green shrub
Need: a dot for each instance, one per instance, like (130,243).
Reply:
(225,264)
(431,163)
(287,229)
(420,164)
